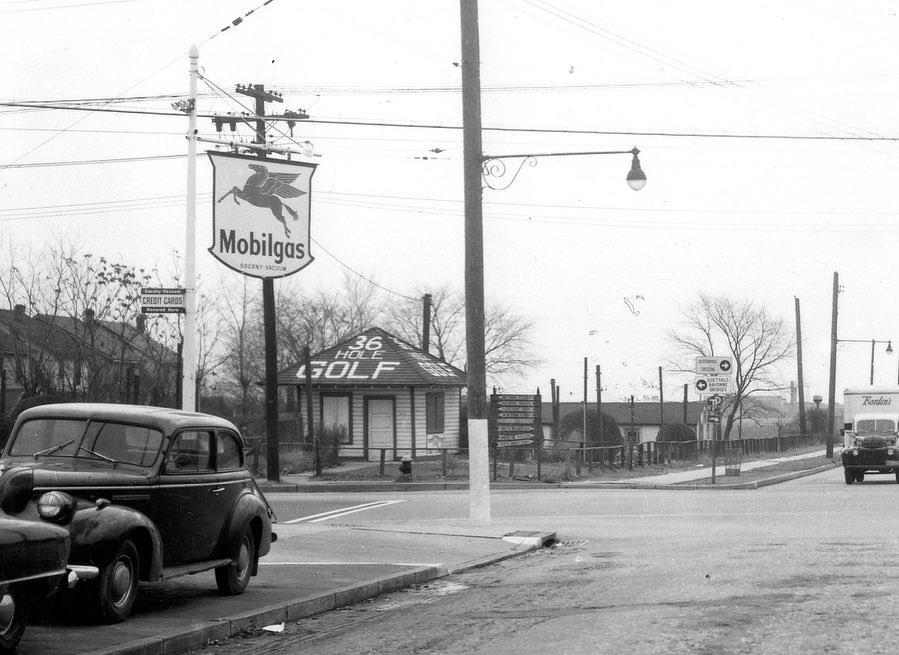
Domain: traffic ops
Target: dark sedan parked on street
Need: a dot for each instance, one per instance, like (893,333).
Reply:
(33,558)
(146,494)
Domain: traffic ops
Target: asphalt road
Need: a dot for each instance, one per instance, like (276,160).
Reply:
(807,566)
(799,567)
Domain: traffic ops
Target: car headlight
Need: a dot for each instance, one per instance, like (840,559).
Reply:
(889,452)
(855,452)
(56,506)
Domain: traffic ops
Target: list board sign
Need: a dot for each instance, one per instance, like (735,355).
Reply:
(515,420)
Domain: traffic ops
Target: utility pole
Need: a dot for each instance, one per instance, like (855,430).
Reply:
(584,414)
(272,468)
(831,393)
(599,402)
(661,407)
(479,462)
(187,373)
(799,370)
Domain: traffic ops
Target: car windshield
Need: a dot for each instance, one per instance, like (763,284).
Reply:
(875,426)
(118,442)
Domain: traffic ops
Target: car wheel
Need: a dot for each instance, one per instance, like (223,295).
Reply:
(860,476)
(118,584)
(849,475)
(234,578)
(13,617)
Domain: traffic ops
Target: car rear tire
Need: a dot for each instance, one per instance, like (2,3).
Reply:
(117,585)
(849,475)
(234,578)
(13,617)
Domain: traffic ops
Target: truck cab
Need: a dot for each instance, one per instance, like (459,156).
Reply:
(870,432)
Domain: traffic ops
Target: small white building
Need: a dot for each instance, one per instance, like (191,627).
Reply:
(381,393)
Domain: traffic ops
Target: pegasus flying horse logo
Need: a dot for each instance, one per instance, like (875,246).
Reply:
(265,189)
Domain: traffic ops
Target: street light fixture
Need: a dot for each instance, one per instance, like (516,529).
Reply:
(889,350)
(493,167)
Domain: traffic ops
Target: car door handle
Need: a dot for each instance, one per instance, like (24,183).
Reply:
(217,490)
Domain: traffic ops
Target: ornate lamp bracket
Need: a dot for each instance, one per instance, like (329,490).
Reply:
(499,177)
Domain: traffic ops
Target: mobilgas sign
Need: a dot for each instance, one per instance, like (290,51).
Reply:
(260,214)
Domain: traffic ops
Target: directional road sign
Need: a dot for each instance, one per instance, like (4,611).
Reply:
(714,366)
(712,384)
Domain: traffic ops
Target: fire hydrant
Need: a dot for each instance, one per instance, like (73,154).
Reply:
(406,468)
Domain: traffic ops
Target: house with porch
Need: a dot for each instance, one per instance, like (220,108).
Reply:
(379,393)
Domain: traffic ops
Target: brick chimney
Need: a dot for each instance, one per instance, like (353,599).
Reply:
(18,312)
(88,317)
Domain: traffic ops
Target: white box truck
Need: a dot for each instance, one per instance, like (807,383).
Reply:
(870,430)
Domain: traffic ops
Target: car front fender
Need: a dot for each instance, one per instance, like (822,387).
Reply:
(98,529)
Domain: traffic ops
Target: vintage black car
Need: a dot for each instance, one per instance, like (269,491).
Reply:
(33,558)
(146,494)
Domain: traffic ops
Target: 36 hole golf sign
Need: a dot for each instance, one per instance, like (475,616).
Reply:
(260,214)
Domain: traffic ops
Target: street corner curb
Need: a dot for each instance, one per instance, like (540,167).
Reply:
(530,538)
(765,482)
(527,540)
(795,475)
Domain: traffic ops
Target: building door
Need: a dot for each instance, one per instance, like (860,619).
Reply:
(379,421)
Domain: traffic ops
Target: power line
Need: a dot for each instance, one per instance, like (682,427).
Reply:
(358,274)
(527,130)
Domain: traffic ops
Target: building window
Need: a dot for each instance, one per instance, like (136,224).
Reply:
(435,410)
(335,415)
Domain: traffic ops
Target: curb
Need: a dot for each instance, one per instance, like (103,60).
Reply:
(356,487)
(204,634)
(755,484)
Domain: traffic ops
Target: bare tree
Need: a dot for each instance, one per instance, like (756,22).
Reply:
(507,335)
(758,342)
(242,348)
(322,319)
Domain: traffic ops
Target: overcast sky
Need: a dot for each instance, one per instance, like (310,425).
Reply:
(767,132)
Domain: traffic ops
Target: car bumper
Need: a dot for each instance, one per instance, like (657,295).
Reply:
(861,459)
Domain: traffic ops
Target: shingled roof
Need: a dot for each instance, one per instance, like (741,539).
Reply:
(374,358)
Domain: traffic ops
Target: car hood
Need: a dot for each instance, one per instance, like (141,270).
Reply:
(72,473)
(30,548)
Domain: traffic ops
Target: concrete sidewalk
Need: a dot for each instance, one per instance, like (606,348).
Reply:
(306,482)
(703,472)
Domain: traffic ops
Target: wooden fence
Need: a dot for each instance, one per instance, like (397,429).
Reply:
(560,457)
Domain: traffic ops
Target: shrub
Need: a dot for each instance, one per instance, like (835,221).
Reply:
(676,432)
(329,440)
(573,424)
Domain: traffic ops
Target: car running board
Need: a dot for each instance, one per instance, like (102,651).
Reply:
(169,572)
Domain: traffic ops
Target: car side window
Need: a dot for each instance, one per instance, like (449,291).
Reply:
(227,452)
(190,452)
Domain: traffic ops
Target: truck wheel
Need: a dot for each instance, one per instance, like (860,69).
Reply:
(849,475)
(860,476)
(897,477)
(117,586)
(13,617)
(234,578)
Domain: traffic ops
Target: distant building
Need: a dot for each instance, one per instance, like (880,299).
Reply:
(379,392)
(83,359)
(643,426)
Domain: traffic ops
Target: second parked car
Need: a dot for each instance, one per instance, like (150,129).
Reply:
(146,494)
